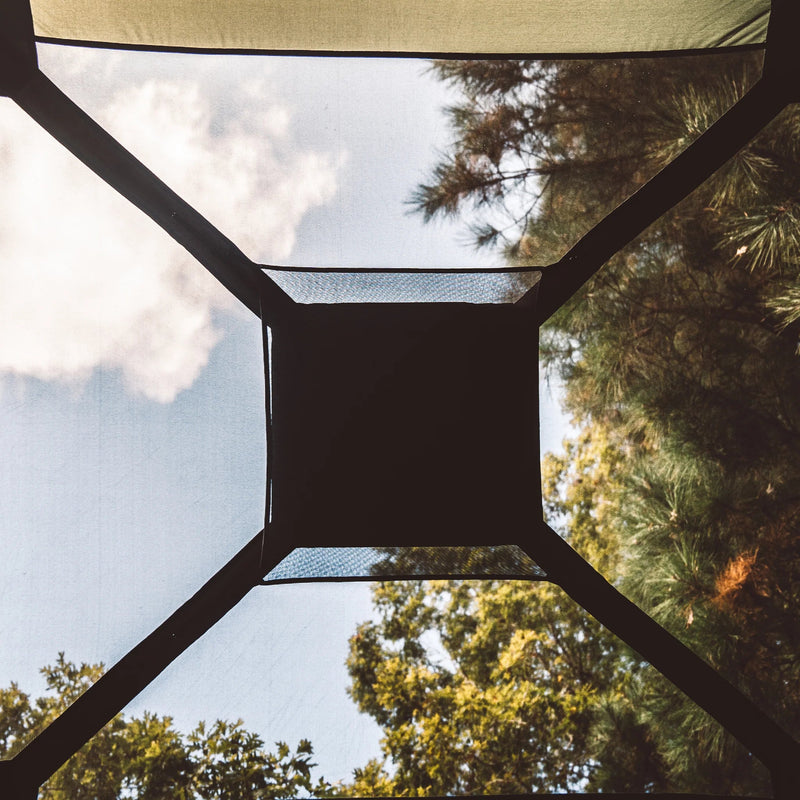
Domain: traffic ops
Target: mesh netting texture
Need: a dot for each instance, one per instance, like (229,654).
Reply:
(410,286)
(508,562)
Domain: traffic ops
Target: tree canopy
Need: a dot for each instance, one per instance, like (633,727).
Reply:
(147,758)
(680,367)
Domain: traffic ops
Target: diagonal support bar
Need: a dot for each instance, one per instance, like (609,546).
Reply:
(764,738)
(99,151)
(677,180)
(105,699)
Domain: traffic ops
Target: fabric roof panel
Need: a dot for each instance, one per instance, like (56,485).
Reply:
(408,26)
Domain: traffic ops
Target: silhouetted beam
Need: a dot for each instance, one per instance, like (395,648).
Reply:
(105,699)
(707,688)
(18,61)
(731,132)
(87,140)
(782,56)
(778,87)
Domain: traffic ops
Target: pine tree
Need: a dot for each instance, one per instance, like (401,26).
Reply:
(681,357)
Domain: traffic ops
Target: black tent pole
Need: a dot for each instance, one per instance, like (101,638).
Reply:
(764,738)
(731,132)
(99,151)
(99,704)
(34,93)
(778,87)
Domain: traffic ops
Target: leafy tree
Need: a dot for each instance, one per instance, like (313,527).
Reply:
(146,758)
(496,686)
(469,714)
(680,366)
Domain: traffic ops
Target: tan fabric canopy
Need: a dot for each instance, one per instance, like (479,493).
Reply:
(537,27)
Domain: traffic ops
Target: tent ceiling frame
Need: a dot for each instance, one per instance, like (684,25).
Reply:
(21,80)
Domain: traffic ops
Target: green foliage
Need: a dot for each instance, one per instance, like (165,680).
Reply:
(441,561)
(680,364)
(477,691)
(492,687)
(147,759)
(684,349)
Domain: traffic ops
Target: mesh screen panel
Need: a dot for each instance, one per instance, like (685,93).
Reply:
(396,563)
(412,286)
(403,431)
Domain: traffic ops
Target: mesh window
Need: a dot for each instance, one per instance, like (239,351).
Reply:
(409,286)
(371,563)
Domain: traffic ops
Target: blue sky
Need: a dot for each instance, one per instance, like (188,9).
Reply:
(131,386)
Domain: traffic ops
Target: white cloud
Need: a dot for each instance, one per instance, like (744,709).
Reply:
(88,282)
